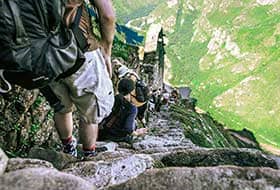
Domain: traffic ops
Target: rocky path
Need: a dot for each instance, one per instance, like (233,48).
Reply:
(163,159)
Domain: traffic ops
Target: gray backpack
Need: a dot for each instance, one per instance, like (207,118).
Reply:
(35,47)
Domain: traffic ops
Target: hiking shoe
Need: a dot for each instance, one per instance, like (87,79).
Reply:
(70,148)
(101,149)
(89,153)
(5,86)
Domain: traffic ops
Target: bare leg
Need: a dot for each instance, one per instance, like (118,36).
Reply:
(88,134)
(64,124)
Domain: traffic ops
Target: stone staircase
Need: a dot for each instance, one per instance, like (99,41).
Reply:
(163,159)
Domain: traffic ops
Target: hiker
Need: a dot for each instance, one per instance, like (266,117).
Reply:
(157,100)
(120,124)
(153,101)
(90,88)
(142,92)
(174,97)
(123,71)
(165,97)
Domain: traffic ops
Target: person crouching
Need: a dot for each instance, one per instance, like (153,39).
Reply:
(120,125)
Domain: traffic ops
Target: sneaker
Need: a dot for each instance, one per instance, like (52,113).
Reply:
(101,149)
(89,153)
(5,86)
(70,148)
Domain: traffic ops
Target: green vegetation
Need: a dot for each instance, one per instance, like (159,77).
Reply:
(204,131)
(241,74)
(181,50)
(121,49)
(129,10)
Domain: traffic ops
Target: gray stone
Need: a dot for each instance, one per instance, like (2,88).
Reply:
(276,159)
(3,161)
(111,171)
(111,146)
(160,144)
(20,163)
(42,179)
(130,167)
(97,173)
(107,155)
(204,178)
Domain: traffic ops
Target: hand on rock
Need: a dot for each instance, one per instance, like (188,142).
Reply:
(141,131)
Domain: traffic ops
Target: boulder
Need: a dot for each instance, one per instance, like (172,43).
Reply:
(244,138)
(20,163)
(58,159)
(42,179)
(110,171)
(222,156)
(3,161)
(222,177)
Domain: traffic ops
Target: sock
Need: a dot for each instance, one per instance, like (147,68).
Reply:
(66,141)
(92,148)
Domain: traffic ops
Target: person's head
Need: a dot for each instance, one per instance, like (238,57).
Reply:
(174,93)
(125,87)
(122,71)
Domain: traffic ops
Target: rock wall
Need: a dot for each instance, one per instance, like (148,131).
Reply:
(25,121)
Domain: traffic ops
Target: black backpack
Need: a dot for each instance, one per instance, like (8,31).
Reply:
(141,88)
(35,47)
(142,91)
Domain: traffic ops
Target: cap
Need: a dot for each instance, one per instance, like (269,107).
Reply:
(122,71)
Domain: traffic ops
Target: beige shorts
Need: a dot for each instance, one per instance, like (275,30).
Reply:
(89,89)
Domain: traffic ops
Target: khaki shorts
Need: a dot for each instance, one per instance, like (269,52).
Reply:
(82,89)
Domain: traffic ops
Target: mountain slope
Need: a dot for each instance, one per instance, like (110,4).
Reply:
(128,10)
(227,51)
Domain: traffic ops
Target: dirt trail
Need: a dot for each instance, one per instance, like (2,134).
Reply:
(271,149)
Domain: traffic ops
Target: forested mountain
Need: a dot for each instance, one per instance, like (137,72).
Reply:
(227,51)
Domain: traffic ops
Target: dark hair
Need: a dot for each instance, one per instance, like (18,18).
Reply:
(126,86)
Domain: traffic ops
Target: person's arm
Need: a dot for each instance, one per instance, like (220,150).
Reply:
(107,28)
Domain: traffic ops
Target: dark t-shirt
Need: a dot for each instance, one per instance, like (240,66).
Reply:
(121,122)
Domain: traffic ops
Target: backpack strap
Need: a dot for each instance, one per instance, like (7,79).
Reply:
(73,69)
(20,31)
(81,40)
(7,84)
